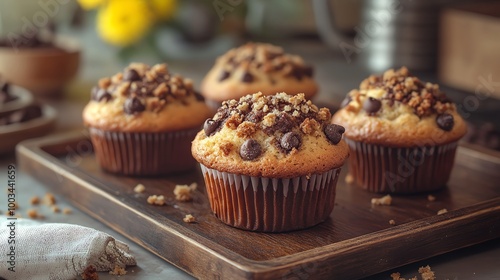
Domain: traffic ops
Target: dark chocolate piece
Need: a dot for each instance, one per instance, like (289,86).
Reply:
(223,75)
(445,121)
(372,105)
(290,140)
(210,126)
(334,132)
(250,150)
(247,77)
(133,106)
(131,75)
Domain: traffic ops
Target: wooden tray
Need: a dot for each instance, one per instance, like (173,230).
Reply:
(356,241)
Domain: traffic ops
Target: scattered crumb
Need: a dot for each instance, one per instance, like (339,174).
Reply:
(35,200)
(55,209)
(431,197)
(184,192)
(118,270)
(90,273)
(18,215)
(49,199)
(426,273)
(349,179)
(140,188)
(156,200)
(33,214)
(442,211)
(67,211)
(189,219)
(392,222)
(385,200)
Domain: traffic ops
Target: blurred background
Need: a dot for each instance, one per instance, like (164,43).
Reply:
(58,49)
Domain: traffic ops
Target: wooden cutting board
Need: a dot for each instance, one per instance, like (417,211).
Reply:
(356,241)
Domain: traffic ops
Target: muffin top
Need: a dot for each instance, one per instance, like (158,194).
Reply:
(258,67)
(397,109)
(278,136)
(145,99)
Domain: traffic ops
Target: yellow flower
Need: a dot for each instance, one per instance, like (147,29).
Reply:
(123,22)
(163,9)
(90,4)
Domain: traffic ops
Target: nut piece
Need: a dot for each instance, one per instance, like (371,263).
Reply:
(385,200)
(67,211)
(139,188)
(118,270)
(49,199)
(189,219)
(156,200)
(35,200)
(442,211)
(55,209)
(33,214)
(392,222)
(184,192)
(426,273)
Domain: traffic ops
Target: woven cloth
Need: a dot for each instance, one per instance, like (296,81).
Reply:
(56,250)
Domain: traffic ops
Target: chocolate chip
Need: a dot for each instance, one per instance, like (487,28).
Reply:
(210,126)
(297,73)
(372,105)
(308,71)
(290,140)
(133,105)
(198,96)
(273,55)
(445,121)
(101,94)
(254,117)
(283,123)
(26,114)
(223,75)
(131,75)
(334,132)
(250,150)
(247,78)
(346,101)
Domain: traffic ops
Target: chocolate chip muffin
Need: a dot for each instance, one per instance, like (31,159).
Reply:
(257,67)
(271,163)
(402,133)
(142,121)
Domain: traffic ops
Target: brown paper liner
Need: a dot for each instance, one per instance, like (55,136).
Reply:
(270,204)
(143,154)
(400,170)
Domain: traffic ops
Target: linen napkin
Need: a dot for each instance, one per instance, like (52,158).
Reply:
(32,250)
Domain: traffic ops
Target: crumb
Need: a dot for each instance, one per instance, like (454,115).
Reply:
(385,200)
(426,273)
(392,222)
(156,200)
(67,211)
(55,209)
(189,219)
(33,214)
(431,197)
(349,179)
(442,211)
(396,276)
(118,270)
(35,200)
(139,188)
(184,192)
(90,273)
(49,199)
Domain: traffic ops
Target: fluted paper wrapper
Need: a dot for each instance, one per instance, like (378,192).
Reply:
(270,204)
(143,154)
(400,170)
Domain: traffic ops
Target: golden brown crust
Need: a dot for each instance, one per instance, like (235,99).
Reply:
(272,118)
(406,113)
(258,67)
(163,102)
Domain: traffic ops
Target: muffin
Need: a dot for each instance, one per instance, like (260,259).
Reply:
(402,133)
(142,121)
(257,67)
(270,163)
